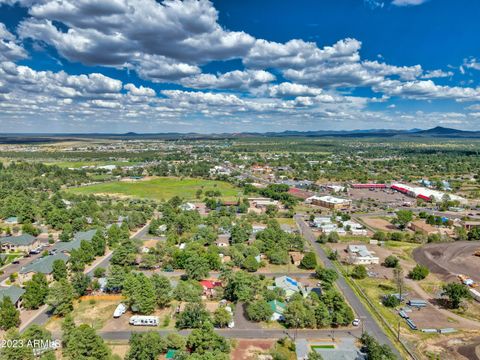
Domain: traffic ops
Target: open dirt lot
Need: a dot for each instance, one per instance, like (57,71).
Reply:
(95,314)
(248,349)
(456,347)
(379,224)
(450,259)
(430,318)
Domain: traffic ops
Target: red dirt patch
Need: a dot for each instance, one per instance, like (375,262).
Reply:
(248,349)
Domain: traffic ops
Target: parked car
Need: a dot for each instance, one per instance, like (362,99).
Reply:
(356,322)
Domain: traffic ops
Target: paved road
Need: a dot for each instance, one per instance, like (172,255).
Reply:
(15,268)
(216,274)
(43,314)
(248,333)
(369,323)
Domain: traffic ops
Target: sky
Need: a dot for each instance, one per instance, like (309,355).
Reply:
(146,66)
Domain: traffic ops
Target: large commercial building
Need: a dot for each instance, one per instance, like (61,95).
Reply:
(330,202)
(425,193)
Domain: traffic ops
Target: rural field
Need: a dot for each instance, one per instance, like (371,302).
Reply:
(161,188)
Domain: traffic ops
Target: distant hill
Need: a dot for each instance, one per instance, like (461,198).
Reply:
(436,132)
(440,131)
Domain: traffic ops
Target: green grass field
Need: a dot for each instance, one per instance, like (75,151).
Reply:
(79,164)
(161,188)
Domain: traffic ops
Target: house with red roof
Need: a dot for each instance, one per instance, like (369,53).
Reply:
(209,287)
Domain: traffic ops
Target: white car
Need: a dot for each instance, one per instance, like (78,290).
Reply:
(356,322)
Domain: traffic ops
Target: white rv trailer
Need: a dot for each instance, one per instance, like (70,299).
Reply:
(140,320)
(120,310)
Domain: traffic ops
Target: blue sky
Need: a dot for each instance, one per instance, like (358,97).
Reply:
(229,66)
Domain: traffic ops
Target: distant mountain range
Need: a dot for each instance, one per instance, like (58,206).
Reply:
(436,132)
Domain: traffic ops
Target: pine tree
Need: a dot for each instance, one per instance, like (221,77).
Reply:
(9,315)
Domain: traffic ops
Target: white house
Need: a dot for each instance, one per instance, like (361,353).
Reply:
(360,255)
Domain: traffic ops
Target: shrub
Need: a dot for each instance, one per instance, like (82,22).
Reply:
(391,261)
(359,272)
(391,301)
(419,272)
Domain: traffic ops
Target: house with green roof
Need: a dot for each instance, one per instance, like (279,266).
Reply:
(13,220)
(68,246)
(20,243)
(13,292)
(278,308)
(170,354)
(42,265)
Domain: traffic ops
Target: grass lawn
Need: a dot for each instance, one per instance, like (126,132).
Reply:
(286,221)
(161,188)
(354,238)
(406,247)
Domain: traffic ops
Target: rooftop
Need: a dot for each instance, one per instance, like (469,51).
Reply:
(67,246)
(330,199)
(44,264)
(13,292)
(24,239)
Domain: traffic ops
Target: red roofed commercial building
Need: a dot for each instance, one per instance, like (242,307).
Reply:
(401,189)
(427,194)
(423,197)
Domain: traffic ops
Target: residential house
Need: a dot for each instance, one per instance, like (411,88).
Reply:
(289,285)
(42,265)
(278,308)
(13,292)
(355,228)
(264,203)
(296,257)
(68,246)
(188,207)
(360,255)
(209,287)
(258,227)
(223,240)
(22,243)
(13,220)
